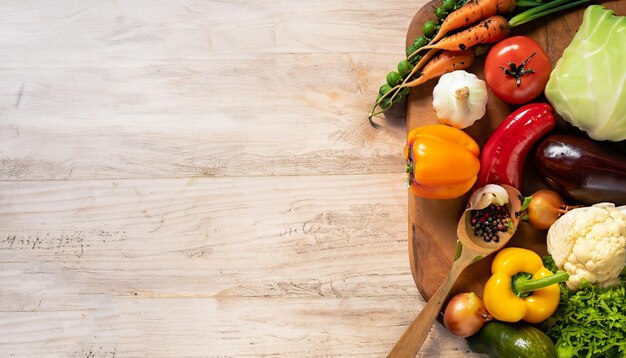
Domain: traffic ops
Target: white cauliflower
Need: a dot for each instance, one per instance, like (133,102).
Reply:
(590,243)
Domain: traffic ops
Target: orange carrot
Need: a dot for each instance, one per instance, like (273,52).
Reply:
(419,65)
(444,62)
(397,88)
(434,64)
(471,12)
(439,65)
(487,31)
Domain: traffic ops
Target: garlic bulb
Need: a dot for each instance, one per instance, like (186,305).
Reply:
(487,195)
(460,99)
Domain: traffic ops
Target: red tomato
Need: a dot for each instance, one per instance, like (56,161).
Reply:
(517,69)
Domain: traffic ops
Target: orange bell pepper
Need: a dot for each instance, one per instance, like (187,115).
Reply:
(442,161)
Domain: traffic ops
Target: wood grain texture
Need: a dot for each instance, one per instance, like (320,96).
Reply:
(198,179)
(162,87)
(184,267)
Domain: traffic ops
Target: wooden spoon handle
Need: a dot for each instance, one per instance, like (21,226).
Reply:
(412,339)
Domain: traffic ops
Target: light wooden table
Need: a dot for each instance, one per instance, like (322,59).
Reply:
(198,178)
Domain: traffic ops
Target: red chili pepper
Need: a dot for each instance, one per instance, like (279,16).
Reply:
(503,156)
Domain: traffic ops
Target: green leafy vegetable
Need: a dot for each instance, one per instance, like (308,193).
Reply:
(587,85)
(590,322)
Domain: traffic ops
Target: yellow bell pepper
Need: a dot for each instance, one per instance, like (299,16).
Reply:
(442,161)
(521,288)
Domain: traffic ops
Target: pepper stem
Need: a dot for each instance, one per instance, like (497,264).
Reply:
(523,285)
(409,173)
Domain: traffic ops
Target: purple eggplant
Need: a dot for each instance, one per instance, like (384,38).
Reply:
(581,169)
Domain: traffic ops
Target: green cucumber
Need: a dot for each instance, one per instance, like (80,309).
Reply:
(503,340)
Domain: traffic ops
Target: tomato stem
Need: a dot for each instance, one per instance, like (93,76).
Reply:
(518,71)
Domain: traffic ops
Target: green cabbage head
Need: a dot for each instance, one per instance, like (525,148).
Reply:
(588,84)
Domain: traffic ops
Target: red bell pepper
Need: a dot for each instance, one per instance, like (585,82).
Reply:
(504,155)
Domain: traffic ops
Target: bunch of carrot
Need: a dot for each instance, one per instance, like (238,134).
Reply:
(451,44)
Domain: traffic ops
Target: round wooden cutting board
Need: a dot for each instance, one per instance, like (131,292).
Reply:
(432,223)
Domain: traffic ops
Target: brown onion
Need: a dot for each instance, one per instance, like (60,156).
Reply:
(545,207)
(465,314)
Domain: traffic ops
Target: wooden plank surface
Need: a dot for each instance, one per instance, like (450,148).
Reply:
(198,178)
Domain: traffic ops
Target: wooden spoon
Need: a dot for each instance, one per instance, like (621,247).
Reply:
(470,249)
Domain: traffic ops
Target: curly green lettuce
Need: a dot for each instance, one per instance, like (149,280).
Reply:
(590,322)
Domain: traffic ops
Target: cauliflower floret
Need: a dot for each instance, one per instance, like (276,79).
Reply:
(590,243)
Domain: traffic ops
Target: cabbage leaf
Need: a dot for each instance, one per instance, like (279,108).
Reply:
(588,84)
